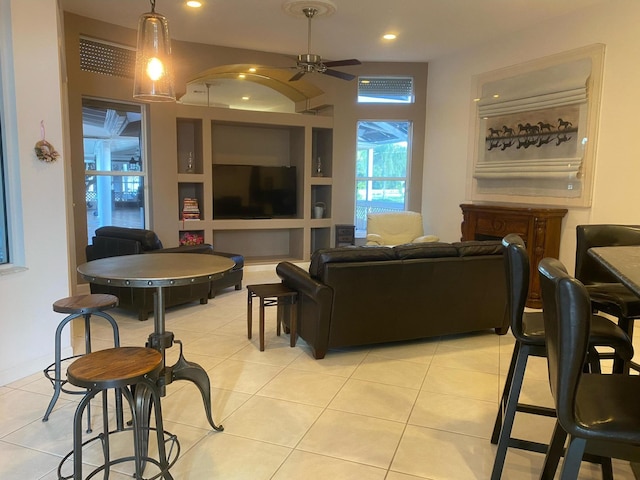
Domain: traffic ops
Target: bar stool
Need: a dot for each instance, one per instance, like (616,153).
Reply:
(272,294)
(134,371)
(76,306)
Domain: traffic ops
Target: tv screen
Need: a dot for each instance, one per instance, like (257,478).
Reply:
(251,191)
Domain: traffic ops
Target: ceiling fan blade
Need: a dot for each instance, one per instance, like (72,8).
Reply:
(337,74)
(297,76)
(343,63)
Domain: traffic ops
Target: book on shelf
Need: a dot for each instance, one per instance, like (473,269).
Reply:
(190,209)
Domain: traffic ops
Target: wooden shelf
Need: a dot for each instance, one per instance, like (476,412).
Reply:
(217,135)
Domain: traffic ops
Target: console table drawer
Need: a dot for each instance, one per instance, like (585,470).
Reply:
(489,224)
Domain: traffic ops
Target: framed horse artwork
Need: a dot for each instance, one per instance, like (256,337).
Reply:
(535,130)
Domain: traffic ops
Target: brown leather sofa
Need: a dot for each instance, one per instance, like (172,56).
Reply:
(365,295)
(114,241)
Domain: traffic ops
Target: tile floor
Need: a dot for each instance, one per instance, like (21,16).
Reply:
(408,411)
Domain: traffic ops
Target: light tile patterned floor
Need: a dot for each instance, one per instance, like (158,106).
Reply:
(407,411)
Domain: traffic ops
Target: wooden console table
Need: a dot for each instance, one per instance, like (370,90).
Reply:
(539,227)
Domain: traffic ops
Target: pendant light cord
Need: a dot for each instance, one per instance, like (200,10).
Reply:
(153,6)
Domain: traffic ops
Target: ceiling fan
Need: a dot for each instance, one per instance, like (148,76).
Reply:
(312,63)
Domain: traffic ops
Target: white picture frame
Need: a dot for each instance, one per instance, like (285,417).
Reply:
(535,130)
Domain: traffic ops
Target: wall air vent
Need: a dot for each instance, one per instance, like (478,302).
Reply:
(385,89)
(107,58)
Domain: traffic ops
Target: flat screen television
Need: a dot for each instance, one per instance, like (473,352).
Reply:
(252,191)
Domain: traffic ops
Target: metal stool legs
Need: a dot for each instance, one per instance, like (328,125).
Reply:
(57,380)
(146,395)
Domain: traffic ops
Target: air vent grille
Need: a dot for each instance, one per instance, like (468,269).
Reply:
(107,58)
(385,89)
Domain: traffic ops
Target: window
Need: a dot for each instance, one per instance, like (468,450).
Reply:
(114,163)
(4,252)
(385,90)
(381,169)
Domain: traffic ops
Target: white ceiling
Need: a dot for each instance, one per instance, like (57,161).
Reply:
(426,29)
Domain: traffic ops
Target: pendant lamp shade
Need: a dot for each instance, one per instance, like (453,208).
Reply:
(153,80)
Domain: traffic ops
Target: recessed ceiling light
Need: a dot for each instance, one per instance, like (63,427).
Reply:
(252,70)
(389,36)
(245,98)
(242,75)
(495,95)
(194,4)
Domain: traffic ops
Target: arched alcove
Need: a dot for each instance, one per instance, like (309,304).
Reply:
(251,87)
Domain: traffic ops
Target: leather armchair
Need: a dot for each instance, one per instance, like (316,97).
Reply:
(116,241)
(395,228)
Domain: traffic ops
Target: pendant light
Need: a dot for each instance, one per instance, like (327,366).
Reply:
(153,80)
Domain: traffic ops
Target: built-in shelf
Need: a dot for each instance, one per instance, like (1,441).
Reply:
(189,141)
(226,136)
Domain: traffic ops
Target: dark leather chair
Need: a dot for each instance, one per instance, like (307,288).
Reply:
(529,331)
(115,241)
(599,412)
(606,293)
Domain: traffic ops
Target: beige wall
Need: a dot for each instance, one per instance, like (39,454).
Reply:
(31,93)
(617,174)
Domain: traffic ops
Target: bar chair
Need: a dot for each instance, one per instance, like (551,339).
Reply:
(86,306)
(606,293)
(134,371)
(599,412)
(529,332)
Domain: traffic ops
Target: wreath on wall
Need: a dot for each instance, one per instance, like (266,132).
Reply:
(44,150)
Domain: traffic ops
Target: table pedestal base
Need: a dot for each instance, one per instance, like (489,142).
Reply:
(186,370)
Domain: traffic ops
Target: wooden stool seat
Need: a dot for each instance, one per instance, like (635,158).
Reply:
(84,304)
(133,372)
(114,367)
(272,294)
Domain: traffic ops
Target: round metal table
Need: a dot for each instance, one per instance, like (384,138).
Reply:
(159,271)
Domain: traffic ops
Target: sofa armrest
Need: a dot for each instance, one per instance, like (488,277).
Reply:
(298,279)
(315,301)
(374,239)
(426,238)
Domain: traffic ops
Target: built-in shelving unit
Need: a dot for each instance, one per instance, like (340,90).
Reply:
(206,136)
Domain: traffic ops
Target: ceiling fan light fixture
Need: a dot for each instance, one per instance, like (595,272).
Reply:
(153,81)
(296,8)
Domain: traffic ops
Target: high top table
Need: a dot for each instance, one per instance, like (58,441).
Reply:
(159,271)
(623,262)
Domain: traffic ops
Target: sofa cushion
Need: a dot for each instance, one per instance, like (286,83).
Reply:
(147,238)
(348,254)
(474,248)
(425,250)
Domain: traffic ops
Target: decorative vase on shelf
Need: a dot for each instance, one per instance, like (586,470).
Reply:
(318,210)
(190,163)
(319,167)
